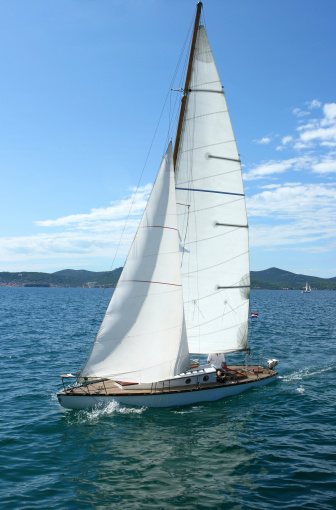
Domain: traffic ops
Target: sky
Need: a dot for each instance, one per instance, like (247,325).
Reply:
(82,91)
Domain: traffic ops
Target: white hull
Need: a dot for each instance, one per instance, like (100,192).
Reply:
(161,399)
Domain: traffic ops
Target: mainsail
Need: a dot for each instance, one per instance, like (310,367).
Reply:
(212,216)
(142,337)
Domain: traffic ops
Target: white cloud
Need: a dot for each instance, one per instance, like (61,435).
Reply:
(315,103)
(272,167)
(321,131)
(329,111)
(294,215)
(132,205)
(327,165)
(263,141)
(286,139)
(83,236)
(300,113)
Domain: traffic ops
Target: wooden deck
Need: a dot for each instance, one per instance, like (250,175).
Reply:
(235,374)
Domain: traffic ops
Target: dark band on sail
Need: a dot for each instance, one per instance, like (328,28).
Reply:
(206,90)
(210,156)
(148,281)
(211,191)
(230,225)
(234,287)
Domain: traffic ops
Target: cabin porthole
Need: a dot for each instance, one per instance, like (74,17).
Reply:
(188,381)
(205,378)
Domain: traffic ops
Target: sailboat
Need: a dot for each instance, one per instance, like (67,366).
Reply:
(185,286)
(307,289)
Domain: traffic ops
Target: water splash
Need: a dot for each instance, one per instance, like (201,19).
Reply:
(305,372)
(108,410)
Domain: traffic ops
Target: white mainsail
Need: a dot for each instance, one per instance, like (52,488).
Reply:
(142,337)
(212,216)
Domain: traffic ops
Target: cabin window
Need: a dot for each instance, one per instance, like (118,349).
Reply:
(206,378)
(188,381)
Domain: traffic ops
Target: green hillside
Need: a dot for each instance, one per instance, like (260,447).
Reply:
(272,278)
(65,278)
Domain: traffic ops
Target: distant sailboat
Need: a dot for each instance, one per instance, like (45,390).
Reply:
(173,300)
(307,289)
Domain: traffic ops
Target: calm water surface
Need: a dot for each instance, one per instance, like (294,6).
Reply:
(269,447)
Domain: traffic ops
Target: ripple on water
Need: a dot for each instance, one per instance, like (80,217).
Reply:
(272,447)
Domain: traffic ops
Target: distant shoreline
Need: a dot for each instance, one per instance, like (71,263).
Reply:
(268,279)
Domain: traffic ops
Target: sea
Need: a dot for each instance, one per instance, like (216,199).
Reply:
(272,447)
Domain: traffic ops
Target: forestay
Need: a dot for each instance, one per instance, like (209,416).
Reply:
(211,215)
(142,337)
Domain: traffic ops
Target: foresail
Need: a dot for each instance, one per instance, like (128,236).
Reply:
(212,216)
(142,337)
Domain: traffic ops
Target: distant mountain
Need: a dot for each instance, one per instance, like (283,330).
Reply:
(272,278)
(64,278)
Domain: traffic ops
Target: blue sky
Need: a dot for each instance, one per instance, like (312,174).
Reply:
(82,89)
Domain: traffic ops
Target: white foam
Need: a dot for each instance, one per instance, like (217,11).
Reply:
(306,372)
(300,389)
(111,408)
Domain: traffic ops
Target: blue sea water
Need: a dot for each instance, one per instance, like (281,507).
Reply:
(272,447)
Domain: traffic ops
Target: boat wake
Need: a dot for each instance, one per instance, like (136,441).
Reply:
(306,372)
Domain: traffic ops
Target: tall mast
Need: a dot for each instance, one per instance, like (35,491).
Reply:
(187,81)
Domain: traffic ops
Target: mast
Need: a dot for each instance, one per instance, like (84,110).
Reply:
(187,80)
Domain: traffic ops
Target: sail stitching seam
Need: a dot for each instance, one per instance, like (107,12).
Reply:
(216,265)
(206,115)
(208,145)
(149,281)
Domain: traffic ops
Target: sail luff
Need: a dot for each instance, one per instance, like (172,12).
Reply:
(187,81)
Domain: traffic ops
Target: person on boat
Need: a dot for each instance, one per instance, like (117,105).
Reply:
(217,360)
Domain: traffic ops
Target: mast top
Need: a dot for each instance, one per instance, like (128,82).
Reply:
(187,80)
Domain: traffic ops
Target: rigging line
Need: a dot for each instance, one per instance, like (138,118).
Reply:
(206,115)
(189,100)
(220,264)
(208,296)
(235,326)
(136,191)
(205,239)
(195,303)
(217,205)
(150,147)
(183,52)
(220,316)
(212,176)
(208,145)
